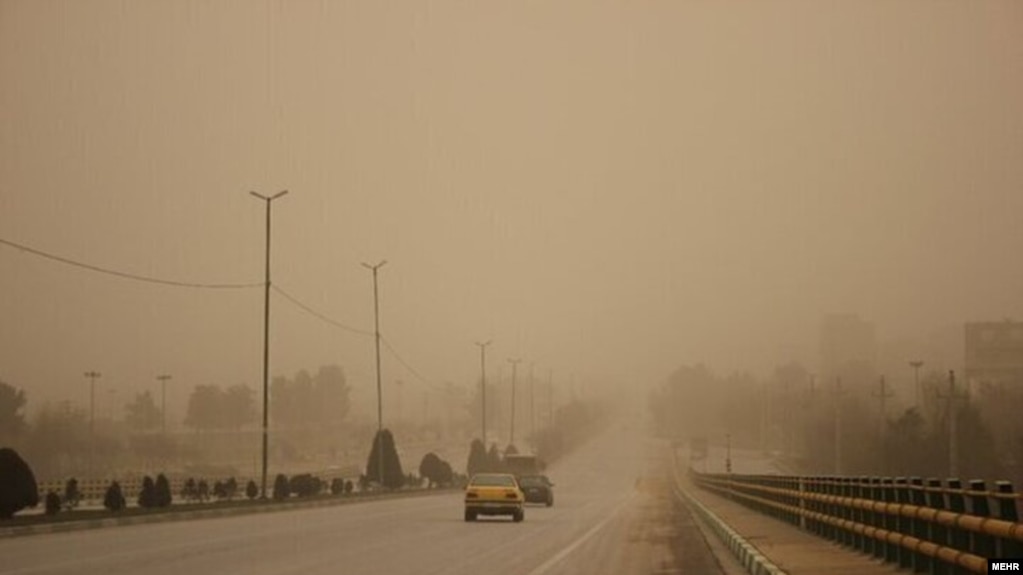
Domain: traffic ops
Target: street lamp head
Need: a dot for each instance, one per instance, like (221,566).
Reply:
(279,194)
(260,196)
(372,267)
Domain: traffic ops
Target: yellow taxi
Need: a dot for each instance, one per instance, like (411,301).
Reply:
(494,494)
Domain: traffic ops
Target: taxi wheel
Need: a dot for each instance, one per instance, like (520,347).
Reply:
(518,515)
(470,515)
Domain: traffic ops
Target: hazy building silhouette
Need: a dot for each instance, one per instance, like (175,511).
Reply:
(994,353)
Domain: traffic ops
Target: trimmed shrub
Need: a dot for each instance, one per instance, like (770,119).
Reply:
(218,490)
(281,488)
(477,458)
(147,496)
(163,491)
(52,502)
(251,490)
(18,488)
(337,486)
(231,488)
(394,477)
(114,499)
(305,485)
(349,487)
(72,496)
(189,491)
(202,491)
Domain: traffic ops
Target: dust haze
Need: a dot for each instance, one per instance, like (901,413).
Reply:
(606,190)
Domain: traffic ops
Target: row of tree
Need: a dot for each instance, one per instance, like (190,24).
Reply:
(838,426)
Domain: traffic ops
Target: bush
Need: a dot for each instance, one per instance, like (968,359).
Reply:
(435,470)
(114,499)
(163,491)
(18,488)
(202,491)
(337,486)
(72,496)
(477,458)
(189,491)
(305,485)
(52,502)
(394,477)
(147,496)
(219,491)
(231,488)
(349,487)
(281,488)
(251,490)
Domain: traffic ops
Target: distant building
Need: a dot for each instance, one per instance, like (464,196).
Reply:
(848,349)
(994,353)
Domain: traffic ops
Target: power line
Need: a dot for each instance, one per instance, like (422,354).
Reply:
(319,315)
(411,370)
(124,275)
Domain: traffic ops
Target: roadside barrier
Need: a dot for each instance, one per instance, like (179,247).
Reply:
(918,524)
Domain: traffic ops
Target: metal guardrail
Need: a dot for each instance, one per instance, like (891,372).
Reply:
(919,524)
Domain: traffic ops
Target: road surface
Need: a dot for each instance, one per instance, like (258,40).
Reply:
(612,515)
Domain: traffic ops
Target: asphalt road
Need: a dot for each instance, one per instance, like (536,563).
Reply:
(612,514)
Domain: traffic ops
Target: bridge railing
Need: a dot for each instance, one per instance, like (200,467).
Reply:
(928,526)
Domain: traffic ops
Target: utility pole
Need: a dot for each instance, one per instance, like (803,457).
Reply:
(916,364)
(93,376)
(380,400)
(266,336)
(953,423)
(838,425)
(163,401)
(550,398)
(532,407)
(515,364)
(882,396)
(483,386)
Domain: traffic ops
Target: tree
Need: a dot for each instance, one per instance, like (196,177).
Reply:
(18,488)
(142,414)
(435,470)
(12,402)
(393,477)
(52,502)
(493,459)
(162,491)
(114,499)
(210,407)
(58,438)
(251,490)
(72,496)
(477,458)
(147,496)
(281,488)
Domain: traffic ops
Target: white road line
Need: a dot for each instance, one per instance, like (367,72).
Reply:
(547,565)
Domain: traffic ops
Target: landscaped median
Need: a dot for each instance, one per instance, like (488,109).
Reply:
(93,519)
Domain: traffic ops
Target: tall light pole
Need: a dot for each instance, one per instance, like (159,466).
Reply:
(532,407)
(916,364)
(92,376)
(380,401)
(266,336)
(483,386)
(163,401)
(515,364)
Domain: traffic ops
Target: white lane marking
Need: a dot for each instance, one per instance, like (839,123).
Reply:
(547,565)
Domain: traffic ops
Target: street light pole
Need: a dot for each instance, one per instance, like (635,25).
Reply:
(266,337)
(532,407)
(380,400)
(483,386)
(515,364)
(163,401)
(92,375)
(916,365)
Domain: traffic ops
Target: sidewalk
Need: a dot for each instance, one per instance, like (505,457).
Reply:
(796,552)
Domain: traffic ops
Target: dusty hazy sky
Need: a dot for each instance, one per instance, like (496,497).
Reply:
(606,188)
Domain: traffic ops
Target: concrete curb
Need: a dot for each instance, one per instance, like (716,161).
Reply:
(755,562)
(185,515)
